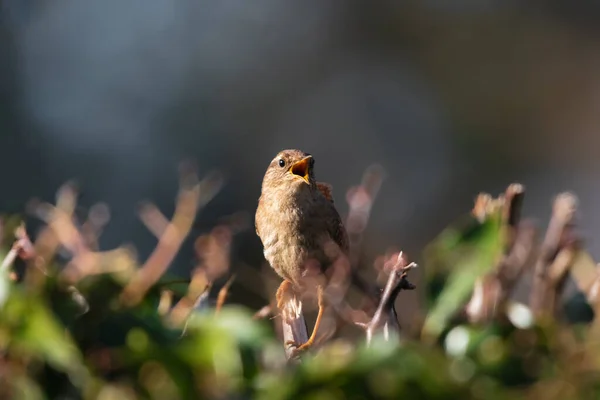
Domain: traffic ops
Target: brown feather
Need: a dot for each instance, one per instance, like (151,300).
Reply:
(295,219)
(326,190)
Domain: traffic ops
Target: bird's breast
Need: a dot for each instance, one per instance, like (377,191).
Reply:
(288,240)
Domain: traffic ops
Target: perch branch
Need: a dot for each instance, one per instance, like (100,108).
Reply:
(293,326)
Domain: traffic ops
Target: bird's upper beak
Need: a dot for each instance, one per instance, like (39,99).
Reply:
(302,168)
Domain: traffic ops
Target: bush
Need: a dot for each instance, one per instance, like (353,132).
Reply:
(95,325)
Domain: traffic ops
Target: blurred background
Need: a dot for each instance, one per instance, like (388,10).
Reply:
(451,98)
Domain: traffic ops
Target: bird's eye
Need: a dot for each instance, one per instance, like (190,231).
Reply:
(281,163)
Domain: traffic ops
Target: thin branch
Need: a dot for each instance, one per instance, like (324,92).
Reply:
(593,298)
(22,247)
(200,304)
(166,300)
(385,315)
(513,265)
(79,299)
(562,216)
(153,219)
(360,201)
(222,296)
(263,313)
(557,277)
(91,229)
(511,213)
(492,290)
(62,231)
(9,259)
(192,195)
(198,287)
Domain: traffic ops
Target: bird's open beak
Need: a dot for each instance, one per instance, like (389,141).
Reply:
(301,168)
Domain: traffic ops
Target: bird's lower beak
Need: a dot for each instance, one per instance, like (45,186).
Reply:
(301,168)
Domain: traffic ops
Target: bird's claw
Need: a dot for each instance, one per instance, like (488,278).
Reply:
(299,348)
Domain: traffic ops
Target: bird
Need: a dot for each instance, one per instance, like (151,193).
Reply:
(299,227)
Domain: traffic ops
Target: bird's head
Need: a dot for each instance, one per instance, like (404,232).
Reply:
(290,169)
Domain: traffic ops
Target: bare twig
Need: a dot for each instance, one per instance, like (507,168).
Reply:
(22,247)
(191,197)
(201,303)
(263,313)
(198,287)
(360,201)
(223,294)
(213,251)
(512,265)
(62,231)
(593,298)
(584,272)
(9,259)
(492,290)
(511,212)
(385,315)
(153,219)
(91,229)
(79,299)
(181,312)
(557,276)
(166,300)
(562,216)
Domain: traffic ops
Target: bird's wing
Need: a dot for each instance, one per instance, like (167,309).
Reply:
(335,226)
(257,216)
(338,232)
(326,190)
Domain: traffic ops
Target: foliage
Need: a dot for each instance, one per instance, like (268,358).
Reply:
(53,344)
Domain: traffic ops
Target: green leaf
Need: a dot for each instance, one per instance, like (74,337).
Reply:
(455,260)
(34,331)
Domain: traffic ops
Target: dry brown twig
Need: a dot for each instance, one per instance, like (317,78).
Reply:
(385,315)
(492,290)
(153,219)
(62,231)
(263,313)
(198,286)
(192,196)
(360,201)
(348,282)
(544,284)
(222,296)
(200,304)
(91,229)
(213,253)
(22,247)
(165,302)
